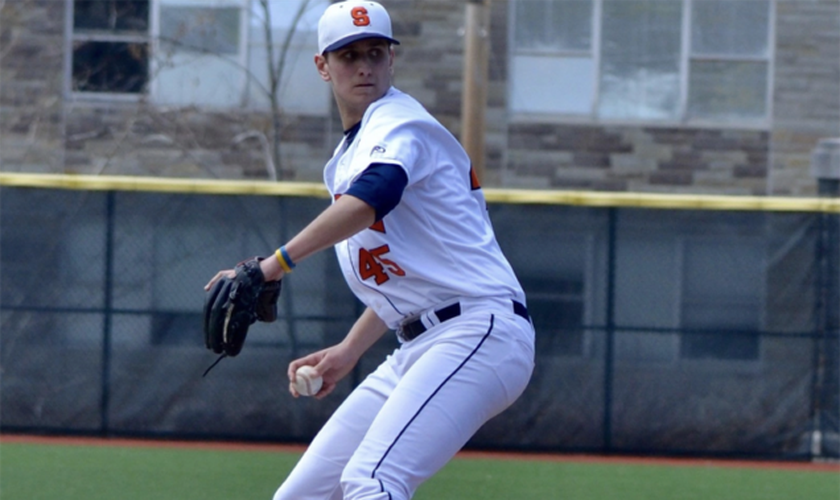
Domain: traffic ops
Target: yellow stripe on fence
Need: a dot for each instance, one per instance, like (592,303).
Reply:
(165,185)
(665,201)
(514,196)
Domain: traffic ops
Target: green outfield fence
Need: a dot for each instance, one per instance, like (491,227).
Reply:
(666,324)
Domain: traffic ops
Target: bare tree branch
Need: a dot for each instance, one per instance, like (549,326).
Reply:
(279,53)
(259,136)
(275,70)
(13,36)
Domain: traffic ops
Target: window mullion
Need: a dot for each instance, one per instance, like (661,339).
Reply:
(154,46)
(68,48)
(725,57)
(245,51)
(597,22)
(771,64)
(110,37)
(685,59)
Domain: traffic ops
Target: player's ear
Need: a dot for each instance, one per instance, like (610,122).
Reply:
(321,65)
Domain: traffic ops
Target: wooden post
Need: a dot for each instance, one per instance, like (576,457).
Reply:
(474,99)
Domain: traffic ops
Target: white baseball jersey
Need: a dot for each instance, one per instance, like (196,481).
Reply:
(437,244)
(410,416)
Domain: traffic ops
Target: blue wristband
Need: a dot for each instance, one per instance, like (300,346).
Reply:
(286,257)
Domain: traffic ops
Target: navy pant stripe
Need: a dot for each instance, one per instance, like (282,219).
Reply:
(492,319)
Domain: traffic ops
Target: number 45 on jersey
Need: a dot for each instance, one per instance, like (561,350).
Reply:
(373,264)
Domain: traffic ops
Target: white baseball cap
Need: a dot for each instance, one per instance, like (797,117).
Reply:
(351,20)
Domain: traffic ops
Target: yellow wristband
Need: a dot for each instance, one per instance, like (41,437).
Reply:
(285,265)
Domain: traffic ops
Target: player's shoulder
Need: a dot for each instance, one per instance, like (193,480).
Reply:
(398,108)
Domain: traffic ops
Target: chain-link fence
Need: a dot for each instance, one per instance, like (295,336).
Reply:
(664,331)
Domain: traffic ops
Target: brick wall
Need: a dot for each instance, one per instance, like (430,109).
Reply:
(139,139)
(430,67)
(806,104)
(41,131)
(31,79)
(638,159)
(675,159)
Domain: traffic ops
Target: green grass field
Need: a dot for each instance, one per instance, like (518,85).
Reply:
(70,472)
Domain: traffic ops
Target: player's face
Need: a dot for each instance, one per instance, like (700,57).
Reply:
(360,73)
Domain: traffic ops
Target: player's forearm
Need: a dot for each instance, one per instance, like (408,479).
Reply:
(344,218)
(365,332)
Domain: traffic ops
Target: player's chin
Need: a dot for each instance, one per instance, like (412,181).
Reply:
(367,93)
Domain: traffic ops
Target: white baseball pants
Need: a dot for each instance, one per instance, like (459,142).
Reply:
(409,417)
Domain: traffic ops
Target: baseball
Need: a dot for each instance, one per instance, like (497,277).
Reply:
(308,383)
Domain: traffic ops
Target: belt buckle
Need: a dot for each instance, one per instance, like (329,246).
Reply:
(407,334)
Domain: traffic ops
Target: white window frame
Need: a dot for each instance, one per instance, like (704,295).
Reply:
(70,37)
(664,345)
(241,59)
(298,51)
(658,346)
(152,39)
(743,364)
(588,299)
(686,57)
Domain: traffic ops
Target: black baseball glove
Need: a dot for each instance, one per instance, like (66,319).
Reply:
(233,304)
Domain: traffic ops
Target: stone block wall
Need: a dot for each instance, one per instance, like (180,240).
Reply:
(141,140)
(806,97)
(806,108)
(430,66)
(638,159)
(42,130)
(31,82)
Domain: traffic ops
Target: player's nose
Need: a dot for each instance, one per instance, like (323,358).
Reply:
(365,67)
(367,63)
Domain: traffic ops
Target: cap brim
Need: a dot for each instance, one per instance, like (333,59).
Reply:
(355,38)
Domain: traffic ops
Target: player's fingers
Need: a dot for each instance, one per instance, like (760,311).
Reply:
(314,360)
(326,389)
(323,367)
(293,391)
(292,371)
(230,273)
(294,365)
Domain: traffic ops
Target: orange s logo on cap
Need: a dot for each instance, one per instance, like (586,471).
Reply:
(360,16)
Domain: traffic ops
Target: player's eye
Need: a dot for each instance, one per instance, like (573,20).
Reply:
(376,55)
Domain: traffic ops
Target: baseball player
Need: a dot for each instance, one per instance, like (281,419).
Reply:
(410,228)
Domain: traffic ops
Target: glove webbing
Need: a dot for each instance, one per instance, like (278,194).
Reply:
(223,356)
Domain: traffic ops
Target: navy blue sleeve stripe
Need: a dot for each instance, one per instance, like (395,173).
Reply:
(381,186)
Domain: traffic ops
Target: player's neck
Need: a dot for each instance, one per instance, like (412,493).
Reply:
(351,132)
(350,114)
(350,122)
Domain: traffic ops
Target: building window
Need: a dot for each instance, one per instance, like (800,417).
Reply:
(553,66)
(668,61)
(556,306)
(729,60)
(206,53)
(110,46)
(721,307)
(301,89)
(199,53)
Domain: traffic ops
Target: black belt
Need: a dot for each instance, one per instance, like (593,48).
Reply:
(415,328)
